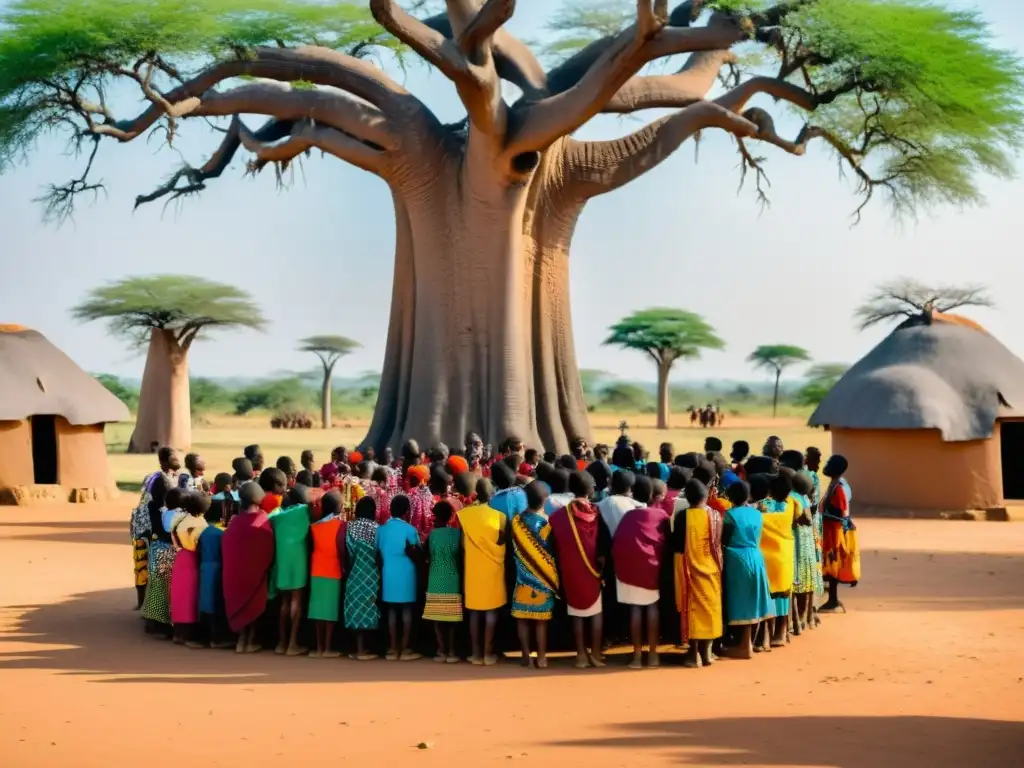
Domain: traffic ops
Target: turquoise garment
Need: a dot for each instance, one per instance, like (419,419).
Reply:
(747,598)
(399,571)
(211,564)
(509,502)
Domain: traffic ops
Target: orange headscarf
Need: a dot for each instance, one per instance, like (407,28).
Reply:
(420,472)
(354,458)
(457,465)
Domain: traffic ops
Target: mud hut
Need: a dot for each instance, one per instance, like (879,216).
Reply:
(932,421)
(52,415)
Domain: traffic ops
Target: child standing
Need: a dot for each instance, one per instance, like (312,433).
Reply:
(840,549)
(291,567)
(248,553)
(779,513)
(185,576)
(398,543)
(533,599)
(211,583)
(363,585)
(325,574)
(444,593)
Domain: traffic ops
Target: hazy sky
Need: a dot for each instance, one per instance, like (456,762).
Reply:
(319,256)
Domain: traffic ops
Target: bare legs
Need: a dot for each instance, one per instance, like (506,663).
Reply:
(636,621)
(324,638)
(482,653)
(745,648)
(399,646)
(445,634)
(540,627)
(362,654)
(832,604)
(289,620)
(247,640)
(592,657)
(140,595)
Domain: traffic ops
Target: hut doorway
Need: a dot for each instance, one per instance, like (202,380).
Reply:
(1012,450)
(44,449)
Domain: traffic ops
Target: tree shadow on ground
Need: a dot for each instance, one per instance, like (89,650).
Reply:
(72,532)
(843,742)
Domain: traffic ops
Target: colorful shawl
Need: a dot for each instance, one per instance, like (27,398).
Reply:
(421,506)
(363,530)
(535,562)
(248,554)
(575,528)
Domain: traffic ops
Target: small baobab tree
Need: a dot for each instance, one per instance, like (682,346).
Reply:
(667,336)
(330,349)
(776,358)
(167,313)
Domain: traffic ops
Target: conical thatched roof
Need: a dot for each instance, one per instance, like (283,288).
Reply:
(37,378)
(948,375)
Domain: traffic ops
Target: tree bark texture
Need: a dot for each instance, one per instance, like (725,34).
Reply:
(326,418)
(775,399)
(165,415)
(663,393)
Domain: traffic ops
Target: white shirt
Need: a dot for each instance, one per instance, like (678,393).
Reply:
(614,508)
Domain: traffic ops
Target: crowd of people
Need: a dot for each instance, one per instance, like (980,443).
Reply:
(733,553)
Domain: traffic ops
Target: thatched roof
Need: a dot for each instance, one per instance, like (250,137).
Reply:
(947,375)
(37,378)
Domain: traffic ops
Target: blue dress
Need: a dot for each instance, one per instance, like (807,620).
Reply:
(211,589)
(510,502)
(747,597)
(399,572)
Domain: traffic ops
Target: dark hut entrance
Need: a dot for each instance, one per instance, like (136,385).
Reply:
(44,449)
(1012,449)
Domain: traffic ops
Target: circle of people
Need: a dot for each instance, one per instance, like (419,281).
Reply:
(748,544)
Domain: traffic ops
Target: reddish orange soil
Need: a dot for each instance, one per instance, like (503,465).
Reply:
(925,670)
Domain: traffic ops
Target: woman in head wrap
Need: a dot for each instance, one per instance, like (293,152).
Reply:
(840,549)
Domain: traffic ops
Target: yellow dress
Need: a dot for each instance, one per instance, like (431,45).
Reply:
(485,558)
(778,544)
(698,575)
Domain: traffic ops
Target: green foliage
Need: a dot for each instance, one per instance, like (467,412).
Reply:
(775,358)
(666,334)
(820,380)
(208,396)
(182,303)
(578,23)
(67,41)
(625,397)
(936,101)
(127,394)
(329,349)
(273,396)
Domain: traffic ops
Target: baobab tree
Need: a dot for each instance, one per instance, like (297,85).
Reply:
(666,336)
(775,359)
(907,298)
(480,336)
(166,314)
(329,349)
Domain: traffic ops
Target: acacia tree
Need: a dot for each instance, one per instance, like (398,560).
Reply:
(167,313)
(330,349)
(820,380)
(776,358)
(912,98)
(667,336)
(907,298)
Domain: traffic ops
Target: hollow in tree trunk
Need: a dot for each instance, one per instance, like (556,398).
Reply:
(663,403)
(164,416)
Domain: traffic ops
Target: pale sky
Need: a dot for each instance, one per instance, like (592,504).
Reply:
(319,257)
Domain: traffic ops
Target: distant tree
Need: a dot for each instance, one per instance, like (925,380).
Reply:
(591,379)
(775,358)
(623,397)
(273,396)
(667,335)
(905,298)
(330,349)
(820,380)
(208,396)
(167,313)
(126,394)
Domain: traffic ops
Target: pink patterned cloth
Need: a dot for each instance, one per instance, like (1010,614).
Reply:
(382,495)
(421,503)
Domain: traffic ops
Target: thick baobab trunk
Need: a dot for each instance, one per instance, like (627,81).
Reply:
(480,337)
(663,395)
(325,400)
(165,413)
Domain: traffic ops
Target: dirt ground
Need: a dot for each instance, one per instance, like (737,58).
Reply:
(925,670)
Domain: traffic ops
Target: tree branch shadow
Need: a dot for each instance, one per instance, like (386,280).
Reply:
(842,742)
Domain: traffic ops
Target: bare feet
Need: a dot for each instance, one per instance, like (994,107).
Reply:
(738,652)
(582,662)
(330,655)
(253,648)
(490,661)
(596,660)
(194,645)
(476,661)
(653,660)
(297,650)
(316,654)
(542,663)
(832,607)
(367,657)
(281,649)
(240,646)
(526,662)
(637,662)
(453,659)
(440,658)
(391,656)
(410,656)
(691,662)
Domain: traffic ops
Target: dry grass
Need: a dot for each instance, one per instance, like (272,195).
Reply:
(221,439)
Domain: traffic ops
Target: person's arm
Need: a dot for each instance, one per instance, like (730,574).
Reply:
(677,537)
